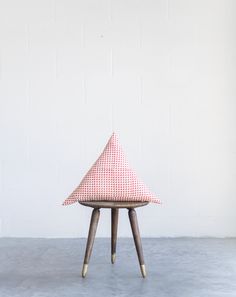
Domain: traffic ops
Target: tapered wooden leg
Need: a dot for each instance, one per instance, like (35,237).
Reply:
(114,225)
(91,235)
(137,239)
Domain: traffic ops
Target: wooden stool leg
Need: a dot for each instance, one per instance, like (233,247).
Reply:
(91,235)
(114,225)
(137,240)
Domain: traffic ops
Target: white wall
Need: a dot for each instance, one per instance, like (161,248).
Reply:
(161,73)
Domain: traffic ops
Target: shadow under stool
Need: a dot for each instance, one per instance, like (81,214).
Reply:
(114,206)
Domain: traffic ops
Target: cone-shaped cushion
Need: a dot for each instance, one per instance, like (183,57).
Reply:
(111,178)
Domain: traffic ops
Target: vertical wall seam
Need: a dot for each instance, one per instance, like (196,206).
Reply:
(140,81)
(168,9)
(112,99)
(85,88)
(141,89)
(54,11)
(110,11)
(28,99)
(111,61)
(82,39)
(56,45)
(170,112)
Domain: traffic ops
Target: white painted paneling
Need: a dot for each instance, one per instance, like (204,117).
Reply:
(159,73)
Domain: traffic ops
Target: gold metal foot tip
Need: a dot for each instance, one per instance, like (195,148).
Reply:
(84,270)
(143,270)
(113,258)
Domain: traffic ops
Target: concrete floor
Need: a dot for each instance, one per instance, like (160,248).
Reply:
(176,268)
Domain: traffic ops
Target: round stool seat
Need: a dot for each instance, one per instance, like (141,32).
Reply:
(114,204)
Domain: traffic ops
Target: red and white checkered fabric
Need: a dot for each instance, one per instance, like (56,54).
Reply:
(111,178)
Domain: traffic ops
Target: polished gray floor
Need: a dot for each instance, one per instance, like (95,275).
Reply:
(176,268)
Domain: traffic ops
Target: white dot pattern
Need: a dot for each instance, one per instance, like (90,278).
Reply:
(111,178)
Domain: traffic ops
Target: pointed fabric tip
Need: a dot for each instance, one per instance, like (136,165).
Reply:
(111,178)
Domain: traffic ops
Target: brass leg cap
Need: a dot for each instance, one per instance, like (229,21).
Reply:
(143,270)
(113,258)
(84,270)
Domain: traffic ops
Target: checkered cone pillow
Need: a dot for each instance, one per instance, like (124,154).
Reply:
(111,178)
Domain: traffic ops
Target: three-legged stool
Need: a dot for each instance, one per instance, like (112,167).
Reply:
(96,205)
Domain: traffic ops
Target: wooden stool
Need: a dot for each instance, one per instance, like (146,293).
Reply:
(96,205)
